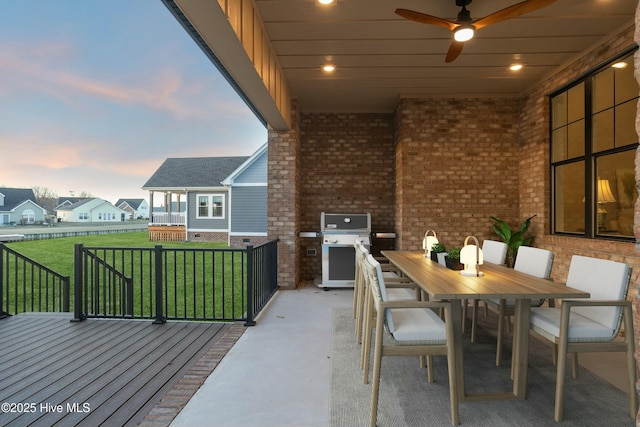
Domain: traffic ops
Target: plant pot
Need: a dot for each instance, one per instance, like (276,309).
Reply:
(442,258)
(454,264)
(434,256)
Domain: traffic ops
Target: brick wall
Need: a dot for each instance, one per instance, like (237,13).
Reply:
(208,236)
(242,241)
(283,201)
(347,167)
(456,166)
(535,173)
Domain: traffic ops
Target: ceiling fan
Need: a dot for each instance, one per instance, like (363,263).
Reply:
(463,27)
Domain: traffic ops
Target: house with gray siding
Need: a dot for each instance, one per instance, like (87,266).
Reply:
(216,199)
(19,206)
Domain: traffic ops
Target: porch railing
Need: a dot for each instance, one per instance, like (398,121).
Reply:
(26,285)
(174,283)
(168,218)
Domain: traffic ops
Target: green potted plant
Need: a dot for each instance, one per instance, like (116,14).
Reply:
(453,259)
(436,249)
(513,238)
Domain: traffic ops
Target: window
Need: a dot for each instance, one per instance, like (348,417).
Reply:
(210,206)
(83,216)
(593,147)
(28,216)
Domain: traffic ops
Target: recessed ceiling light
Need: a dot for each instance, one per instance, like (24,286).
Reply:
(325,2)
(620,64)
(328,68)
(516,67)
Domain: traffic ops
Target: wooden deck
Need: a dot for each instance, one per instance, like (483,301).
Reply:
(95,372)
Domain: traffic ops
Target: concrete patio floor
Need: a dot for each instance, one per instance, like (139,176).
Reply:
(278,372)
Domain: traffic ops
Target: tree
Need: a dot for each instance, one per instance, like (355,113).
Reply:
(46,198)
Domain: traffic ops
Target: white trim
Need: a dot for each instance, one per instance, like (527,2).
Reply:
(237,233)
(210,205)
(183,189)
(232,176)
(205,230)
(257,184)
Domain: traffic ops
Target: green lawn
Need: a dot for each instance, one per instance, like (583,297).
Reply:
(57,254)
(197,284)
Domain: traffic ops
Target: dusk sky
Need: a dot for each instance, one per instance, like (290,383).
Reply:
(95,95)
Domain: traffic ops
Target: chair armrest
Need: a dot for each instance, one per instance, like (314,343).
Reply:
(595,303)
(406,285)
(403,279)
(415,304)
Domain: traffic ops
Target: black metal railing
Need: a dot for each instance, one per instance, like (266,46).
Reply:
(27,286)
(174,283)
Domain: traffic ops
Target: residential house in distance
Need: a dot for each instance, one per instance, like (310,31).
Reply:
(218,199)
(91,210)
(137,208)
(18,206)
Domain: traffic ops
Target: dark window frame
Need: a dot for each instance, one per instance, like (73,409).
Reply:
(589,159)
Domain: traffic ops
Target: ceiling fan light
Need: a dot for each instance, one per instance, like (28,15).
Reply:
(463,33)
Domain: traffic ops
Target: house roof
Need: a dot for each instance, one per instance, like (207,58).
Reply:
(193,172)
(16,196)
(70,200)
(134,203)
(80,202)
(98,200)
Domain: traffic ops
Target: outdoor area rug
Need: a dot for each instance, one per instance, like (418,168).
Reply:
(407,399)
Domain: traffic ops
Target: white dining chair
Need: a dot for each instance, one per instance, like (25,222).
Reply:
(533,261)
(494,252)
(408,328)
(401,288)
(590,325)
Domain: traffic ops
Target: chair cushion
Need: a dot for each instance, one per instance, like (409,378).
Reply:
(534,261)
(604,280)
(546,321)
(401,294)
(494,252)
(417,326)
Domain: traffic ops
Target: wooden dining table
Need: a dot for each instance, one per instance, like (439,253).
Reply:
(496,282)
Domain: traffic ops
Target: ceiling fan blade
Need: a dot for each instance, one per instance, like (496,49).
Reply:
(423,18)
(454,51)
(512,12)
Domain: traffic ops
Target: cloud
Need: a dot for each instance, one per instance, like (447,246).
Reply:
(43,68)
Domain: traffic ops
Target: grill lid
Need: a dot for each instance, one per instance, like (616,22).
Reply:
(345,223)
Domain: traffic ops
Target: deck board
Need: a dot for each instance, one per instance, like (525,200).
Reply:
(121,368)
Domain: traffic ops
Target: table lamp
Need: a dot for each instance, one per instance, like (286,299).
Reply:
(471,257)
(428,242)
(604,196)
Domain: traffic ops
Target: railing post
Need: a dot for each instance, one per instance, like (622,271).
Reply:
(250,321)
(128,284)
(158,282)
(77,283)
(65,294)
(2,312)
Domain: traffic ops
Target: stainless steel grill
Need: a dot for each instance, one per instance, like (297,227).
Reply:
(339,232)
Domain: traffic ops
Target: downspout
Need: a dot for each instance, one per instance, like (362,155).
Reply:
(228,207)
(186,215)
